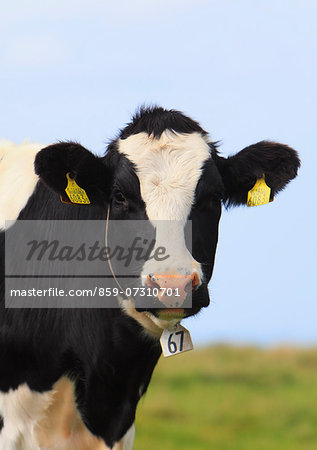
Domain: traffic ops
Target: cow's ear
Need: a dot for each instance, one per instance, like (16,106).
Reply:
(73,172)
(277,162)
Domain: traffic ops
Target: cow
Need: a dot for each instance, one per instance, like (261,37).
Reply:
(162,168)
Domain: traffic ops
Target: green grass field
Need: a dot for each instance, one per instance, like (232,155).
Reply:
(227,398)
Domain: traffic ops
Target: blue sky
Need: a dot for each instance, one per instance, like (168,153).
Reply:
(246,70)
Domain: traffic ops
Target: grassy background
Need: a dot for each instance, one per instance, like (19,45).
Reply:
(227,398)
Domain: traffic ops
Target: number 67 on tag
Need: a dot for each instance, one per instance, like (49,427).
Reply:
(176,341)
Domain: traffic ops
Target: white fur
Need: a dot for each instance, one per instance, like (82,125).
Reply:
(50,421)
(128,439)
(17,178)
(21,409)
(169,169)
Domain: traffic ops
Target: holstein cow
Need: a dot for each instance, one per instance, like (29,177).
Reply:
(162,167)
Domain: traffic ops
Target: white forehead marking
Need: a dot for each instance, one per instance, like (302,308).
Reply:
(168,169)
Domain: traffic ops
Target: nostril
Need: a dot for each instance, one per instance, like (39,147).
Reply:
(150,281)
(195,281)
(192,283)
(189,286)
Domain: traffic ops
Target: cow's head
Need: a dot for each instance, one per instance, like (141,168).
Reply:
(164,169)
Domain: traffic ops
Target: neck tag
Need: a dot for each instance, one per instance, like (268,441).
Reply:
(75,193)
(176,341)
(259,194)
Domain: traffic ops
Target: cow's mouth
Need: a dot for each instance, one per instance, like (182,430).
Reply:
(200,299)
(171,313)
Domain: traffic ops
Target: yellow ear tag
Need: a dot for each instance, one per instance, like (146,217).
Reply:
(259,194)
(75,193)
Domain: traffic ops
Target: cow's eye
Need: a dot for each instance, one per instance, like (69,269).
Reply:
(119,197)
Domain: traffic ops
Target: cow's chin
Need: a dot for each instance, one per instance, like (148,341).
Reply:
(198,300)
(155,319)
(175,313)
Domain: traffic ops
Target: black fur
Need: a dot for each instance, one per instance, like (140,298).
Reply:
(55,161)
(154,121)
(279,163)
(104,347)
(106,353)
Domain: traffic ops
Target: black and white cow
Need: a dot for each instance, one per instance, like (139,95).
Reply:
(162,167)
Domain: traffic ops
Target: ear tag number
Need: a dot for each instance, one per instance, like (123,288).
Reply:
(176,341)
(259,194)
(75,193)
